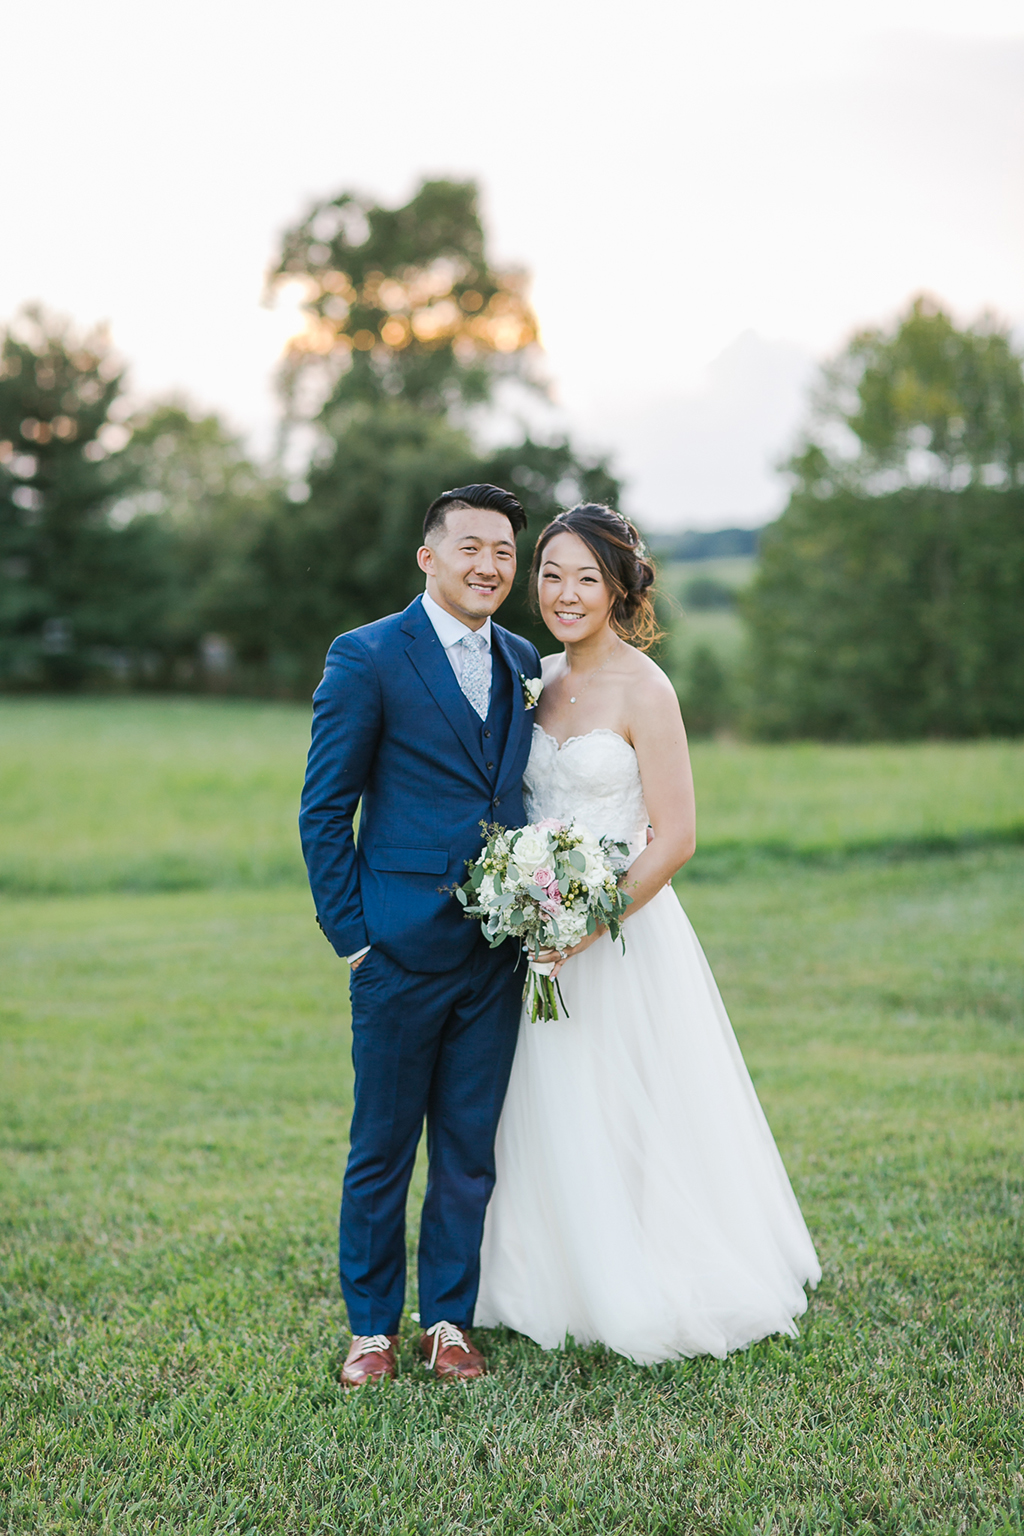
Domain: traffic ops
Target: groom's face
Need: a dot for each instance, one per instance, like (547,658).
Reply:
(470,561)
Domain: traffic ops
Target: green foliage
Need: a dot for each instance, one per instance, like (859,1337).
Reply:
(889,600)
(705,702)
(890,616)
(409,323)
(706,592)
(921,402)
(156,551)
(175,1087)
(346,556)
(81,593)
(403,302)
(213,503)
(698,544)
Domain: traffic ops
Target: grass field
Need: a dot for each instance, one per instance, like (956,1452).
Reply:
(721,630)
(175,1083)
(177,794)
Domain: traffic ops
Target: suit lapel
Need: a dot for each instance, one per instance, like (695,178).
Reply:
(500,643)
(426,653)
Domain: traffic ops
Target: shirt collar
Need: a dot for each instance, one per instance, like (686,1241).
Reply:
(448,628)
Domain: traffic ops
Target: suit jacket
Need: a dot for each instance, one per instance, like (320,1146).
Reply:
(392,728)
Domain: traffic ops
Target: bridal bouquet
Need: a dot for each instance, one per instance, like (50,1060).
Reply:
(548,885)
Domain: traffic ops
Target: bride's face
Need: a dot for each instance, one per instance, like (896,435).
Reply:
(575,600)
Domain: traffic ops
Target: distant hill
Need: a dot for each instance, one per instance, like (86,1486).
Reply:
(696,544)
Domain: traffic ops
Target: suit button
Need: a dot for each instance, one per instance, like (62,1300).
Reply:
(496,804)
(487,733)
(490,766)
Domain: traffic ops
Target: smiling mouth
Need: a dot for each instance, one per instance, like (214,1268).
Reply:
(567,618)
(478,586)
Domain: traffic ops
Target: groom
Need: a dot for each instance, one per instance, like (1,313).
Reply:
(421,718)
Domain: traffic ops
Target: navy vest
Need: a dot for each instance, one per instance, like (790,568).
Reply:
(494,730)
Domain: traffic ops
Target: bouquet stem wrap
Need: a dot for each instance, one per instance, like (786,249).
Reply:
(542,994)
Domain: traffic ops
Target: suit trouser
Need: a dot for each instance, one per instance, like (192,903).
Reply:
(438,1045)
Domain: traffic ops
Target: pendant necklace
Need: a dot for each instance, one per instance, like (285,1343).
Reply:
(591,675)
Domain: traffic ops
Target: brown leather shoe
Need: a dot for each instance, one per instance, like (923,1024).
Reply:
(450,1353)
(371,1357)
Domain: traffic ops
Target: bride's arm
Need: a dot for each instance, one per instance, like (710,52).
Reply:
(659,739)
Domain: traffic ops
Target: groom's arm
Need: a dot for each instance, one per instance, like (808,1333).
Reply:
(347,716)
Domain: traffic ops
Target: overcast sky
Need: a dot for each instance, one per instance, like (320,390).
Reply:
(709,197)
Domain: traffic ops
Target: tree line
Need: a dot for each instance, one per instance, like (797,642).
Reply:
(145,548)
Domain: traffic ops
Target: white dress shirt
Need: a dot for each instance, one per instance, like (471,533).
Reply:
(449,631)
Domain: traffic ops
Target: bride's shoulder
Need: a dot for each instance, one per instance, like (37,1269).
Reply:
(648,687)
(551,665)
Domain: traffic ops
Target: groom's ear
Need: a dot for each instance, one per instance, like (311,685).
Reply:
(425,558)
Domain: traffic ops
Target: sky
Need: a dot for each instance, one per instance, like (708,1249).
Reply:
(709,198)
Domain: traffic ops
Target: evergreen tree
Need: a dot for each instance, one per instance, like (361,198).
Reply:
(80,593)
(213,503)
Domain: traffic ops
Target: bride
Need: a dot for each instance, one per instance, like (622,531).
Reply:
(640,1199)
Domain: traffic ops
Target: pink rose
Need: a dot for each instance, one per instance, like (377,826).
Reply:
(544,878)
(550,825)
(553,903)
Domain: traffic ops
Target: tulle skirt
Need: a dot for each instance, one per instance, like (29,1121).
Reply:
(640,1200)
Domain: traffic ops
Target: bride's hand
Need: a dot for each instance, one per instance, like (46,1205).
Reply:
(560,956)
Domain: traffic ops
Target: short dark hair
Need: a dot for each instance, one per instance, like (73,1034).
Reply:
(490,498)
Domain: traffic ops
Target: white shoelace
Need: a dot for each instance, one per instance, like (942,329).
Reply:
(371,1344)
(445,1336)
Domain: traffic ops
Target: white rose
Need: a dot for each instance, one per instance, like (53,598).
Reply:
(530,851)
(595,874)
(588,844)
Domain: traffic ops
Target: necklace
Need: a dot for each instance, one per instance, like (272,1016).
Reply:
(591,675)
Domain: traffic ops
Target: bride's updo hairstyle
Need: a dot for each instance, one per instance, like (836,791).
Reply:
(619,552)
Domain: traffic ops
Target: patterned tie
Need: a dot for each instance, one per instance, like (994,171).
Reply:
(474,680)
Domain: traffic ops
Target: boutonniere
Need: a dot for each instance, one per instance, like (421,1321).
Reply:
(533,687)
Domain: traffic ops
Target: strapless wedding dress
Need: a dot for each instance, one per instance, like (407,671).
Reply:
(640,1200)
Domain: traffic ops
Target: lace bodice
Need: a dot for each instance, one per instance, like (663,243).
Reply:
(594,777)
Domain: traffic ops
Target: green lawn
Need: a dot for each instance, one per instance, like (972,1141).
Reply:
(178,794)
(175,1088)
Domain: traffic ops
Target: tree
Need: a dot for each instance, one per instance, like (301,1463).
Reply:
(891,616)
(193,475)
(889,599)
(78,593)
(403,302)
(920,403)
(346,555)
(409,324)
(705,702)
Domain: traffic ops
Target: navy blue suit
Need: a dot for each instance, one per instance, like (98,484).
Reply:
(434,1010)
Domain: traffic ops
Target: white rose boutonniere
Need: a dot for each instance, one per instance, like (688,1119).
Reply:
(533,687)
